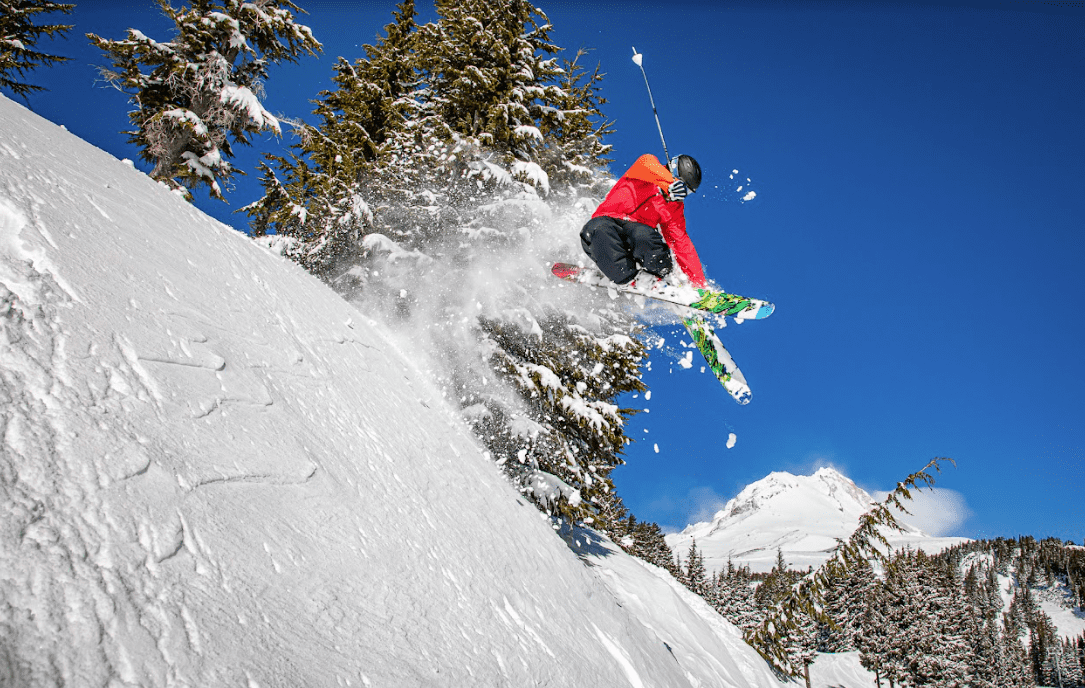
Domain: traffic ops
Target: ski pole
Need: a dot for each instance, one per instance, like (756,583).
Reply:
(638,60)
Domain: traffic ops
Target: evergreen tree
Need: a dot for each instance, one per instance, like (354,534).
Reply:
(646,541)
(735,597)
(874,640)
(198,94)
(696,577)
(1074,661)
(943,652)
(317,201)
(19,36)
(655,549)
(845,601)
(1044,647)
(568,380)
(800,641)
(1018,672)
(573,149)
(798,638)
(490,78)
(777,584)
(903,588)
(625,536)
(989,666)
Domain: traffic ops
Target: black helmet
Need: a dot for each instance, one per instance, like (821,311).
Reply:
(686,169)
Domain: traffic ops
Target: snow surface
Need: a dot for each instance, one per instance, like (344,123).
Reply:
(803,516)
(841,670)
(214,471)
(1068,619)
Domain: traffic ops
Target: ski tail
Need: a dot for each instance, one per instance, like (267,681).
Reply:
(565,271)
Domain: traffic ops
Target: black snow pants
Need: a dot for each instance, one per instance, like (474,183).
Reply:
(618,246)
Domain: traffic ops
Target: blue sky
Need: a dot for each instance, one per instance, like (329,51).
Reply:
(919,222)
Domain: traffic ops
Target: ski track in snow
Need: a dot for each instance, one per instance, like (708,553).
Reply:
(216,472)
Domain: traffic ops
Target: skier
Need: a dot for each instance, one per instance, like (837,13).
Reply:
(642,220)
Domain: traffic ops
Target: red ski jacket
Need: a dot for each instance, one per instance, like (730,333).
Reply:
(640,195)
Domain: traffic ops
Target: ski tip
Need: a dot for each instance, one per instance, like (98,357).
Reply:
(739,391)
(764,311)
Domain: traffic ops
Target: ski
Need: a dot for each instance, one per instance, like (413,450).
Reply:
(718,302)
(719,360)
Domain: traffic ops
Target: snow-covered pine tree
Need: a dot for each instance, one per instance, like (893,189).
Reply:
(797,638)
(944,653)
(623,535)
(845,601)
(19,36)
(568,378)
(1074,664)
(873,642)
(317,200)
(375,94)
(992,594)
(652,547)
(1018,672)
(696,577)
(490,76)
(989,665)
(904,588)
(573,149)
(644,540)
(455,198)
(736,597)
(472,191)
(777,584)
(198,94)
(1023,610)
(980,587)
(1044,648)
(800,641)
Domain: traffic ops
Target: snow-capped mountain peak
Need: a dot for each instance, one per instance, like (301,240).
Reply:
(781,493)
(802,515)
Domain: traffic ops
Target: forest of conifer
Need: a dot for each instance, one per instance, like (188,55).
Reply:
(968,616)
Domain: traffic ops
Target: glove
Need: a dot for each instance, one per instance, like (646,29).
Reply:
(677,190)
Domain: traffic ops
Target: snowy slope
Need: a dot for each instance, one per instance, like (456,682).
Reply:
(801,515)
(1057,601)
(216,472)
(840,670)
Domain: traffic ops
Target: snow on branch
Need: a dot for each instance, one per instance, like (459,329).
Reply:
(549,488)
(245,100)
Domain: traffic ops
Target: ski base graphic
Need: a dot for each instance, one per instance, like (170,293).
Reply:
(719,360)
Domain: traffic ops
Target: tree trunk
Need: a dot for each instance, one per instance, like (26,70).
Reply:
(806,672)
